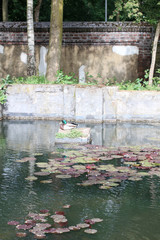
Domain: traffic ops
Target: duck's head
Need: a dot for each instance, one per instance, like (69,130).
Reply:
(64,122)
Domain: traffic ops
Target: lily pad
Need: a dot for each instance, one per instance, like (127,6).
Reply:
(31,178)
(63,176)
(46,181)
(83,225)
(41,173)
(14,223)
(90,231)
(21,234)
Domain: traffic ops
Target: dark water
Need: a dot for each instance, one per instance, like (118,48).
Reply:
(130,211)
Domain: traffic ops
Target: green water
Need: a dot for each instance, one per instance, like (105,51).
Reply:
(130,211)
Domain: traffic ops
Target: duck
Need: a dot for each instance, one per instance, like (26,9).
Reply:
(67,126)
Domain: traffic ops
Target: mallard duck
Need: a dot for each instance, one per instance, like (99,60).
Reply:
(67,126)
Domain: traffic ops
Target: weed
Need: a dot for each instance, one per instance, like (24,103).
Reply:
(74,133)
(65,79)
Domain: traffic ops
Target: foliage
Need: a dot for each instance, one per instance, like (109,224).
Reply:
(4,83)
(73,133)
(137,10)
(65,79)
(91,10)
(141,84)
(30,80)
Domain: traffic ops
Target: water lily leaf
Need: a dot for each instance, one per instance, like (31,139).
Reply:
(74,228)
(44,211)
(135,178)
(41,173)
(14,223)
(62,230)
(147,164)
(38,154)
(67,206)
(90,231)
(21,234)
(46,181)
(108,167)
(24,226)
(97,220)
(104,187)
(30,222)
(63,176)
(39,235)
(79,167)
(116,156)
(42,226)
(111,184)
(142,174)
(31,178)
(42,164)
(105,158)
(116,180)
(83,225)
(59,213)
(141,158)
(50,230)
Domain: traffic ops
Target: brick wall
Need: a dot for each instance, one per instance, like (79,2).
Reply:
(87,33)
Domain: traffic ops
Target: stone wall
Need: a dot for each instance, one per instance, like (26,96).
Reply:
(112,49)
(81,104)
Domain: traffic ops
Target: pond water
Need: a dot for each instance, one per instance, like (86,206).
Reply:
(130,211)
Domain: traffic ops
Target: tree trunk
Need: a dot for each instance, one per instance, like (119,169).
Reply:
(31,69)
(154,51)
(37,11)
(5,10)
(55,40)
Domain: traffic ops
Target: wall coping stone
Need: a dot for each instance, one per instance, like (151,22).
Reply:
(79,27)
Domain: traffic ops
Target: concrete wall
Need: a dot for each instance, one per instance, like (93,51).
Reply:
(82,104)
(113,49)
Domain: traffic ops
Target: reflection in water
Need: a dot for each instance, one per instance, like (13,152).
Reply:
(130,211)
(35,136)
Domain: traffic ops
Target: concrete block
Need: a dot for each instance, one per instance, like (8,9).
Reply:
(138,105)
(89,104)
(109,103)
(69,102)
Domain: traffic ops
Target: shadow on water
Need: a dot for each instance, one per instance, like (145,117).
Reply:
(129,212)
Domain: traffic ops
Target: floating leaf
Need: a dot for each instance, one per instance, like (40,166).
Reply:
(14,223)
(97,220)
(44,210)
(83,225)
(46,181)
(90,231)
(21,234)
(31,178)
(24,226)
(38,154)
(62,230)
(135,178)
(67,206)
(41,173)
(63,176)
(42,164)
(74,228)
